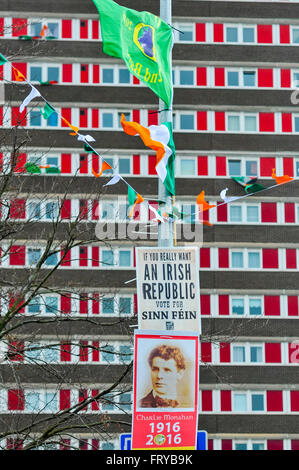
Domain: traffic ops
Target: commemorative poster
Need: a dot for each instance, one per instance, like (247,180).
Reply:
(166,377)
(168,288)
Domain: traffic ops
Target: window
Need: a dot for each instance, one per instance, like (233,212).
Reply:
(51,210)
(186,32)
(188,213)
(235,213)
(108,402)
(107,257)
(35,118)
(108,353)
(251,167)
(240,446)
(257,402)
(53,29)
(125,354)
(258,446)
(34,306)
(232,78)
(52,121)
(237,259)
(124,258)
(249,78)
(233,123)
(125,305)
(256,354)
(51,402)
(237,306)
(248,34)
(187,121)
(35,74)
(52,260)
(124,165)
(187,167)
(239,402)
(186,77)
(35,28)
(108,210)
(51,304)
(238,353)
(255,307)
(127,117)
(34,255)
(252,213)
(124,76)
(249,123)
(53,74)
(295,35)
(254,260)
(50,354)
(33,352)
(108,305)
(107,120)
(125,401)
(34,211)
(32,401)
(234,167)
(295,82)
(296,123)
(110,162)
(108,75)
(231,34)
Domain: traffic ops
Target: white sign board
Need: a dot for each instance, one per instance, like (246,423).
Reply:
(168,289)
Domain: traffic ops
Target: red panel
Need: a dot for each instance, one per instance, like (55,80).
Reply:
(295,444)
(135,80)
(275,444)
(221,212)
(15,399)
(219,122)
(18,209)
(83,117)
(267,123)
(67,73)
(266,165)
(14,444)
(84,75)
(19,27)
(274,400)
(152,160)
(272,305)
(83,164)
(1,78)
(95,73)
(135,304)
(152,117)
(18,118)
(288,166)
(65,444)
(223,304)
(65,399)
(220,166)
(291,259)
(202,165)
(21,67)
(65,352)
(83,29)
(95,29)
(66,163)
(1,120)
(95,118)
(19,164)
(95,404)
(227,444)
(273,352)
(219,77)
(207,400)
(66,209)
(286,123)
(285,78)
(95,351)
(224,352)
(202,121)
(16,351)
(83,351)
(66,29)
(1,26)
(200,32)
(201,76)
(226,400)
(270,258)
(218,32)
(95,254)
(293,305)
(269,212)
(83,256)
(136,115)
(95,209)
(136,164)
(284,30)
(95,161)
(206,352)
(205,304)
(17,255)
(67,114)
(223,258)
(66,303)
(66,257)
(265,77)
(264,33)
(15,301)
(294,353)
(294,400)
(205,261)
(95,304)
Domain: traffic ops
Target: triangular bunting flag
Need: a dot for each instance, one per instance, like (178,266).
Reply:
(204,205)
(47,111)
(281,179)
(227,199)
(133,199)
(33,94)
(105,166)
(3,60)
(32,168)
(19,77)
(115,179)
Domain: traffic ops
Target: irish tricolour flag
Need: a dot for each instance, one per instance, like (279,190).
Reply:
(160,139)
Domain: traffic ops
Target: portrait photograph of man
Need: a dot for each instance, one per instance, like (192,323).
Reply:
(165,371)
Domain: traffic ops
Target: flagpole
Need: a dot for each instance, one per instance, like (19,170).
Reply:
(165,231)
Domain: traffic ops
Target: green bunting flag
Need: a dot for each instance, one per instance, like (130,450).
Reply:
(2,59)
(133,199)
(254,188)
(142,40)
(47,111)
(32,168)
(249,184)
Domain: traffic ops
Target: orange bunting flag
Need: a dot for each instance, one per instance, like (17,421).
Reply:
(205,206)
(280,179)
(133,199)
(43,31)
(19,77)
(75,129)
(105,166)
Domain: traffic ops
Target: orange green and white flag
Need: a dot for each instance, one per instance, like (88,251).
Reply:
(160,139)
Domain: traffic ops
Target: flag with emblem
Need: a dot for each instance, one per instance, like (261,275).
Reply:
(142,40)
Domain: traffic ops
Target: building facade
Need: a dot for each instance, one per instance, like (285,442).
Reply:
(235,75)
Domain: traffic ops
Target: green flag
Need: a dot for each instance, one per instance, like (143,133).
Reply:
(47,111)
(2,59)
(32,168)
(142,40)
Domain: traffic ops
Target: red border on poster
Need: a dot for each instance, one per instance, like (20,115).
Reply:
(164,427)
